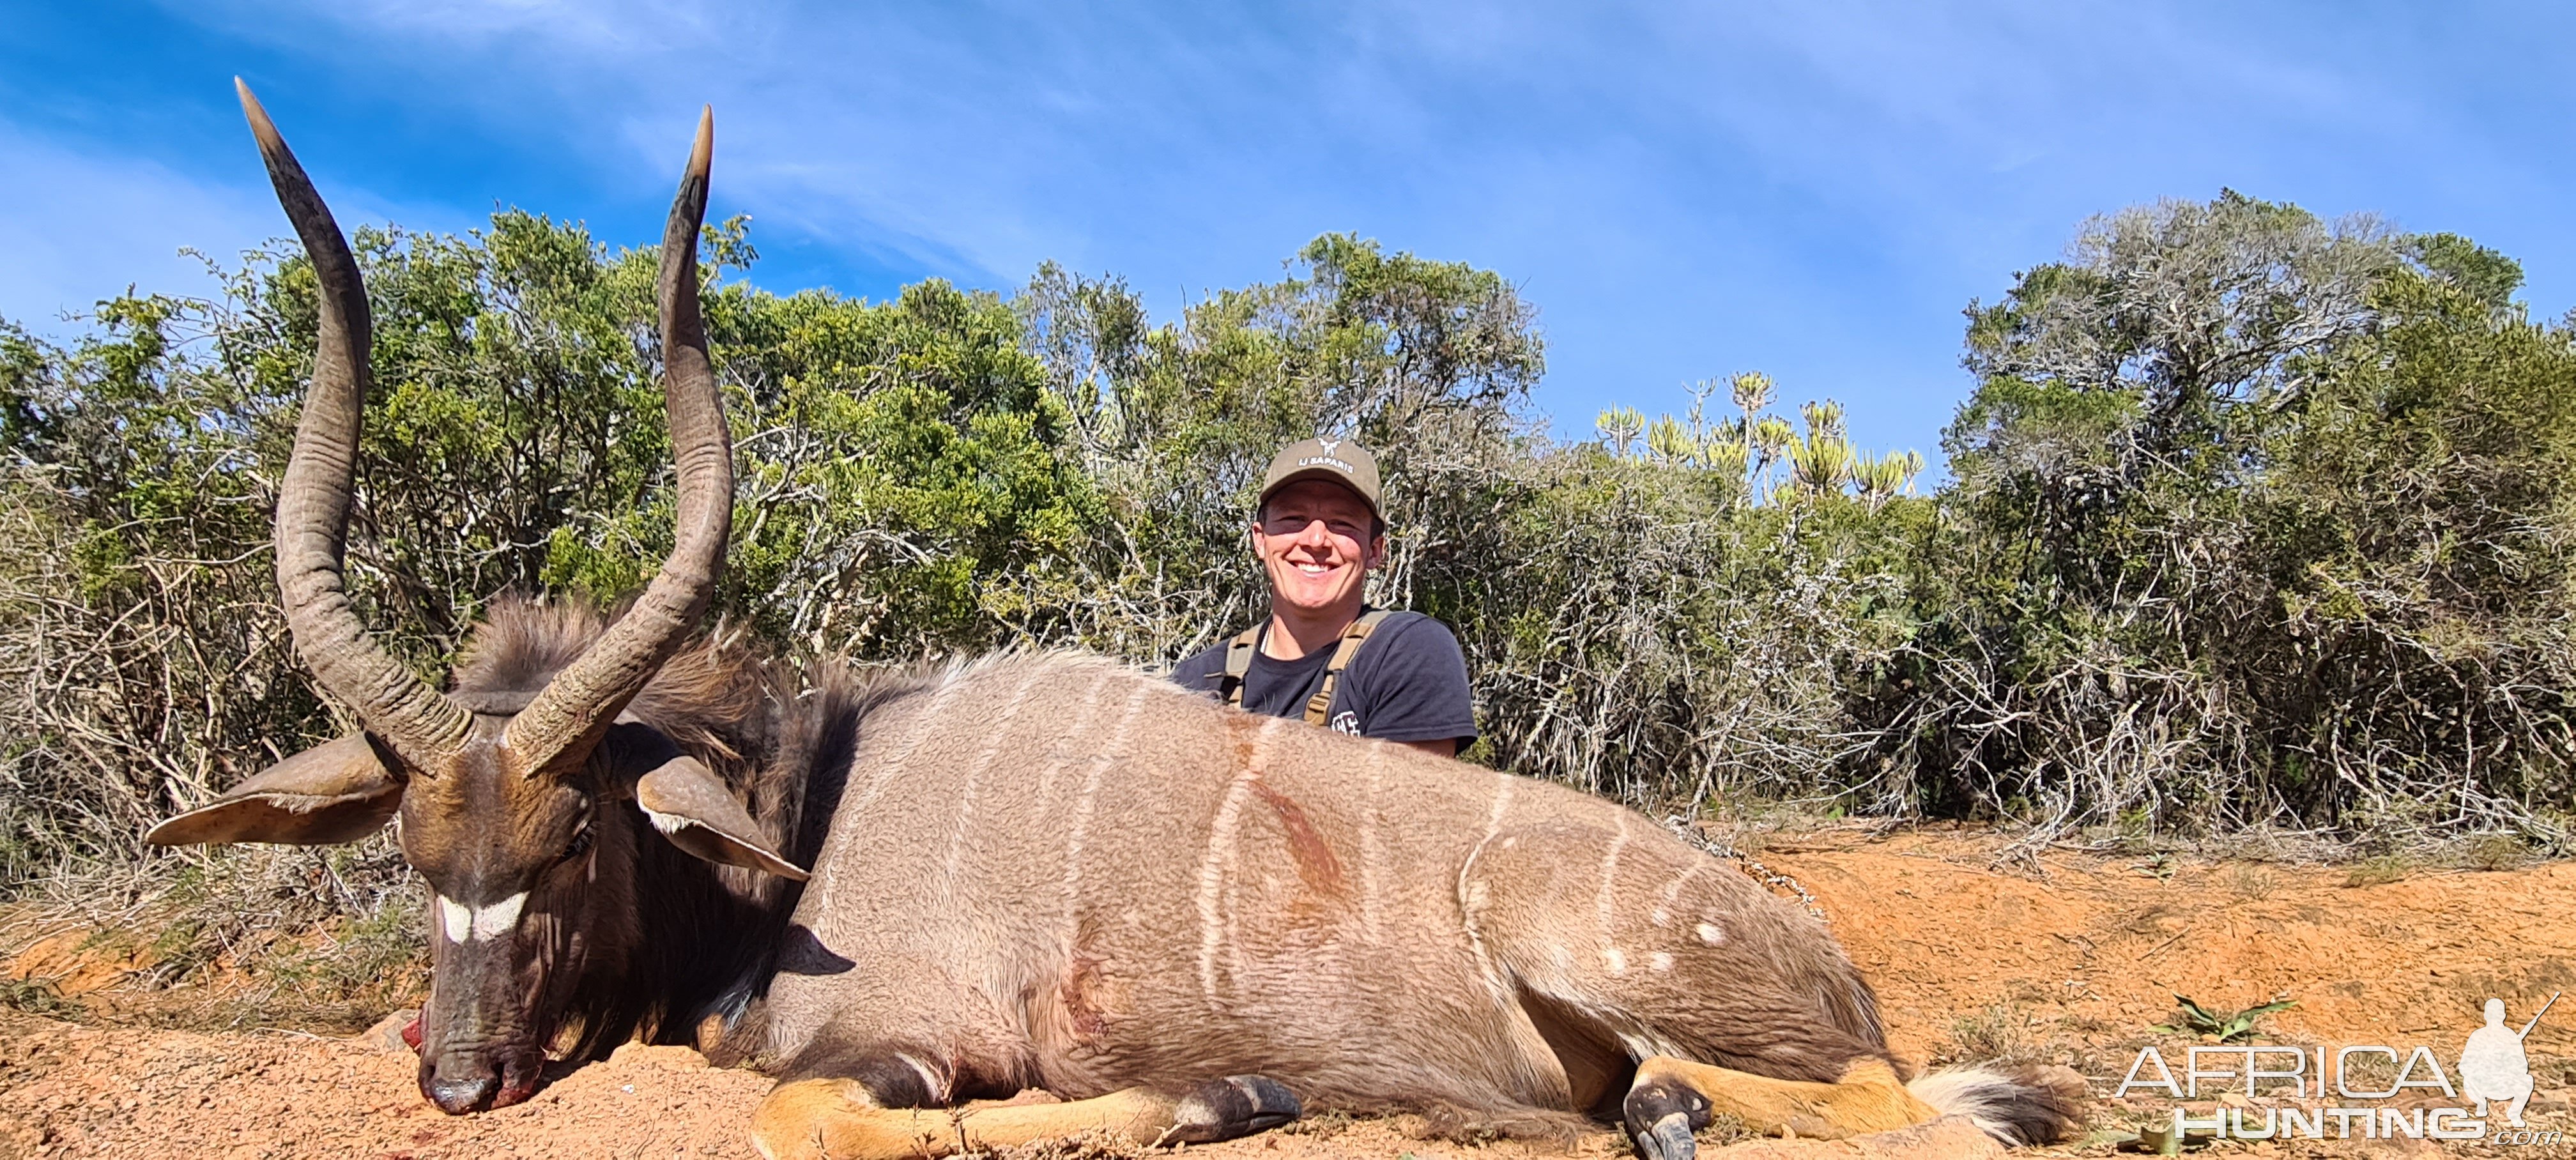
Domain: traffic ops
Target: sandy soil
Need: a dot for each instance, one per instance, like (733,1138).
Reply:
(2073,963)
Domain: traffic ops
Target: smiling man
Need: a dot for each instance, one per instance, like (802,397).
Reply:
(1324,655)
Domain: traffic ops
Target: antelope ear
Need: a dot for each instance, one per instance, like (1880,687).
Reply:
(339,791)
(692,808)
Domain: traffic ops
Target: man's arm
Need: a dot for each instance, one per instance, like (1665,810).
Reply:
(1417,691)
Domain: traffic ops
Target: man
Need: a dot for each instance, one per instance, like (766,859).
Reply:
(2493,1066)
(1322,655)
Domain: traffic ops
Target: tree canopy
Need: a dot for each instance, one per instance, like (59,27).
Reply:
(2254,519)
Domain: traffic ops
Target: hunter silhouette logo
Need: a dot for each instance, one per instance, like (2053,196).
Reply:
(2322,1088)
(2493,1066)
(1328,444)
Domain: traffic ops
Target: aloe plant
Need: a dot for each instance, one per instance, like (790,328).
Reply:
(1621,426)
(2226,1026)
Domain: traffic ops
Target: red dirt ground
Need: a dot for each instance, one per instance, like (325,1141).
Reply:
(2073,963)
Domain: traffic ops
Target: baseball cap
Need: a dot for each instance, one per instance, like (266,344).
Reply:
(1339,460)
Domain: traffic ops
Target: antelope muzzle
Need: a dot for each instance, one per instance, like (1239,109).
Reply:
(489,1019)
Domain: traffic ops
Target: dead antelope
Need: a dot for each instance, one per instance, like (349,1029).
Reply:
(1043,872)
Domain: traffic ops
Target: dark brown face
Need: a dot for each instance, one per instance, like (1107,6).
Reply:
(537,909)
(528,838)
(514,866)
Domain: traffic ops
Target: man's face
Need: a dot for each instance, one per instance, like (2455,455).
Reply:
(1314,537)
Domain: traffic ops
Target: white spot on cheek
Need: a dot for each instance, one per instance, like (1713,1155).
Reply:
(1661,962)
(1708,933)
(1618,962)
(1662,917)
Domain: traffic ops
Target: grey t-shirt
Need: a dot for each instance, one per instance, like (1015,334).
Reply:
(1408,683)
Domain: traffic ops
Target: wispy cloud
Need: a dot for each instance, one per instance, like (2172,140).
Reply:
(83,227)
(89,225)
(1813,188)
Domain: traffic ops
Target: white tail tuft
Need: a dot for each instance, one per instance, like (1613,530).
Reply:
(2018,1105)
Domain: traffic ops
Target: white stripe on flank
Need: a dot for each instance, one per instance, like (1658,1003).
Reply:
(1372,850)
(922,727)
(1077,730)
(1472,898)
(891,764)
(1502,802)
(465,923)
(1220,847)
(1100,763)
(964,820)
(1260,761)
(1603,902)
(1673,889)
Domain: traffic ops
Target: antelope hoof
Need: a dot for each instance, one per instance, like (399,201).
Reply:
(1660,1119)
(1238,1105)
(1669,1139)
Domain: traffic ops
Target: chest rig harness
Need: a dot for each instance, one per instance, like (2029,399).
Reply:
(1238,661)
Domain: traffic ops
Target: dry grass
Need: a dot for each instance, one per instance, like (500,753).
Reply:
(1997,1032)
(40,997)
(2250,881)
(2494,851)
(322,940)
(2379,870)
(1723,1130)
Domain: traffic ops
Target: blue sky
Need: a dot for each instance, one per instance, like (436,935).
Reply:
(1813,189)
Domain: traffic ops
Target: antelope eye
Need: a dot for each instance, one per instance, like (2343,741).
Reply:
(581,840)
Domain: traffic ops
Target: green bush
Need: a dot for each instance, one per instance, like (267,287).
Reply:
(2255,520)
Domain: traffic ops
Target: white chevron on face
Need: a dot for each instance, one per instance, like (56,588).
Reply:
(466,923)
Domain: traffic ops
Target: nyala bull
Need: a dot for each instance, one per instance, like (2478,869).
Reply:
(1029,872)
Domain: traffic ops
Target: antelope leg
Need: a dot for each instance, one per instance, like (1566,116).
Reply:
(1673,1097)
(837,1119)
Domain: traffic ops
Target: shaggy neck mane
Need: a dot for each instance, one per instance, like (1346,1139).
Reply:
(693,939)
